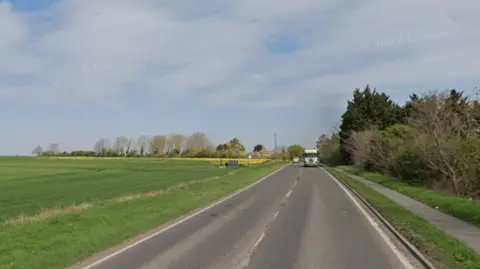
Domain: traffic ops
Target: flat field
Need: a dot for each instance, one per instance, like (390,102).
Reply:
(56,211)
(211,160)
(33,185)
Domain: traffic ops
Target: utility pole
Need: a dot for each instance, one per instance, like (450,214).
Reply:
(275,143)
(238,154)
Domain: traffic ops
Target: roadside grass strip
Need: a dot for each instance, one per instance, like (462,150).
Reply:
(459,207)
(61,240)
(444,251)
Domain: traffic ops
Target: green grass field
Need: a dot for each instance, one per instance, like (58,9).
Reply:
(30,185)
(116,199)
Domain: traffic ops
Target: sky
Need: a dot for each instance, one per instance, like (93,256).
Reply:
(74,71)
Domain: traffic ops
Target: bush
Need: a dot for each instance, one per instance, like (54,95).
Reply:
(413,169)
(433,140)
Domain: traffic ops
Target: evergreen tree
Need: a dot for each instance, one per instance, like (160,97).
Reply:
(367,109)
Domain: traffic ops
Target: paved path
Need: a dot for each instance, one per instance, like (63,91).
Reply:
(465,232)
(280,223)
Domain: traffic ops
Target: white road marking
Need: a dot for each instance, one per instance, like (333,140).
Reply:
(288,194)
(374,224)
(179,222)
(275,215)
(259,240)
(168,257)
(246,261)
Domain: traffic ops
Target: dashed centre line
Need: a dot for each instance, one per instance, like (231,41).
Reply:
(245,262)
(288,194)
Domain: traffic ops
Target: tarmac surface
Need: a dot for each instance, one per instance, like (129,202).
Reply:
(298,218)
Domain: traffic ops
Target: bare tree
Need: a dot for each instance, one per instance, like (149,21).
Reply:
(130,145)
(38,150)
(358,144)
(158,144)
(321,139)
(120,145)
(53,148)
(148,145)
(198,141)
(329,148)
(385,148)
(100,145)
(143,144)
(445,126)
(176,142)
(170,143)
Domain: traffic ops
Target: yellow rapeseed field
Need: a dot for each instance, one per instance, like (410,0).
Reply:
(241,161)
(217,160)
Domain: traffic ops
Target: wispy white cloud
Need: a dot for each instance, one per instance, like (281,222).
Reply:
(100,52)
(389,44)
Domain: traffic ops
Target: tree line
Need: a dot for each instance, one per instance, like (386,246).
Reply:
(197,145)
(432,140)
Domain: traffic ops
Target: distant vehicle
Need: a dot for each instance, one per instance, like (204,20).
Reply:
(310,158)
(296,160)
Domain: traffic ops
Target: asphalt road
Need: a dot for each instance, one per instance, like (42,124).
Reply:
(297,218)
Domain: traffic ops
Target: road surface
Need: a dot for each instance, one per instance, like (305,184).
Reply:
(297,218)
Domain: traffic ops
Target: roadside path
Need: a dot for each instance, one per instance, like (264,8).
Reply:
(463,231)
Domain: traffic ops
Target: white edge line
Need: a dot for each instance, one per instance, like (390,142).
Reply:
(375,225)
(180,221)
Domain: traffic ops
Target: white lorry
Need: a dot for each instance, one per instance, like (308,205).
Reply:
(310,158)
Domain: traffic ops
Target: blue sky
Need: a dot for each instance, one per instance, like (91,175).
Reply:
(72,71)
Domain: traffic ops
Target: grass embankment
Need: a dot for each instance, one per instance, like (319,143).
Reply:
(458,207)
(444,251)
(60,240)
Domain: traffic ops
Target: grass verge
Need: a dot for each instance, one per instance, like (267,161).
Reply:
(60,241)
(444,251)
(458,207)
